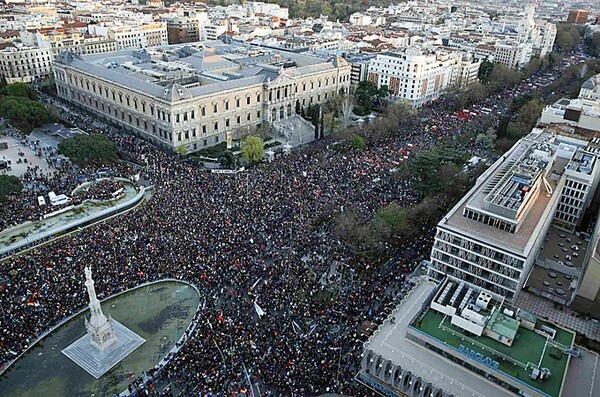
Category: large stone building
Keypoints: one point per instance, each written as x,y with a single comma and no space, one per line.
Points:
195,96
25,64
493,236
419,75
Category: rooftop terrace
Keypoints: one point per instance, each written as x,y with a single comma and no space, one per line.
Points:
529,350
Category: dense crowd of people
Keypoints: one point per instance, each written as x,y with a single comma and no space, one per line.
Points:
23,207
259,237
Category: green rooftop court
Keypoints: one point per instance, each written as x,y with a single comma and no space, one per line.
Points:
528,351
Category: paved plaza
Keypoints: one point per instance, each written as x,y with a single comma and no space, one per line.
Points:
17,153
567,318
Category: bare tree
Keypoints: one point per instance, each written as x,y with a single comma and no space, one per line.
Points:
582,71
346,110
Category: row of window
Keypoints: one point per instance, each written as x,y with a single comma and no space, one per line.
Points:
158,130
576,185
490,220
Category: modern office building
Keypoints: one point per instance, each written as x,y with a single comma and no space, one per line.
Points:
194,96
587,299
492,237
454,338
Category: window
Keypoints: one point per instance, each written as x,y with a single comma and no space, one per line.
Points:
217,126
237,102
203,110
247,100
226,105
215,108
226,123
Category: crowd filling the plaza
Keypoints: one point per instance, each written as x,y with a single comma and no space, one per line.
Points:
282,298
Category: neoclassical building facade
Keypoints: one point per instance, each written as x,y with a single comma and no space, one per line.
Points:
195,95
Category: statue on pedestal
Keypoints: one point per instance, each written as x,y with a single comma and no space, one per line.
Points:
99,328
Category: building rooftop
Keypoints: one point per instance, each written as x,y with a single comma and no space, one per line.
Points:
529,348
390,342
189,70
515,190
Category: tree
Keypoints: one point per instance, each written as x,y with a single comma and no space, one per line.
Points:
346,110
228,160
330,122
394,219
9,184
19,90
427,171
382,93
322,125
485,69
503,77
365,96
253,149
358,142
181,150
567,36
24,113
87,149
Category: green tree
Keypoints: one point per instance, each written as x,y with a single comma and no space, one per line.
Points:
593,44
20,90
427,170
181,150
253,149
87,149
358,142
567,36
394,219
503,77
9,184
485,69
365,95
228,160
24,113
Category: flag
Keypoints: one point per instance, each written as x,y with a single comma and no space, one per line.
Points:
49,267
130,377
259,311
30,303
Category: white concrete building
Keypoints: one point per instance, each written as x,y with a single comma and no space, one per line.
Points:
513,54
420,75
25,64
492,237
134,36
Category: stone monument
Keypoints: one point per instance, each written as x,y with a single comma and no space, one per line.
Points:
100,329
107,341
